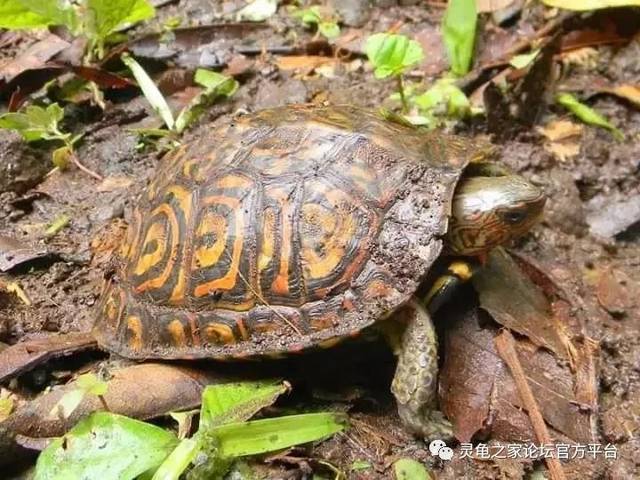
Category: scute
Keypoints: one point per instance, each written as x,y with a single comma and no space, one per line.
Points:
281,230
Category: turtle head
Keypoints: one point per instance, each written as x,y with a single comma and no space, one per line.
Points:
490,208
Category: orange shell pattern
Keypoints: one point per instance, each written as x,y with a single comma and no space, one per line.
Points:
285,229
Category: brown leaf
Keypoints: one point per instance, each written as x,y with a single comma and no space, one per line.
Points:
561,130
489,402
478,394
628,92
302,62
26,355
515,302
141,391
34,57
577,39
563,137
101,77
14,252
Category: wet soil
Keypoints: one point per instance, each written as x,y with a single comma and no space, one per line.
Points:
64,284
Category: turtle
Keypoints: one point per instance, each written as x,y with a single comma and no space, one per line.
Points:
296,227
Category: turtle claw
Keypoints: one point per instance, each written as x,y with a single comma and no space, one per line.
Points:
428,424
437,427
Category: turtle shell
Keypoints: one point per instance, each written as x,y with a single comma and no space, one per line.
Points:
282,230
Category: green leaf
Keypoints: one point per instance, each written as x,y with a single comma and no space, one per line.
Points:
258,10
35,123
216,85
235,402
267,435
358,465
309,16
408,469
459,30
392,54
58,224
210,79
587,114
329,30
105,446
91,384
59,12
178,460
106,16
521,61
583,5
444,98
151,92
16,15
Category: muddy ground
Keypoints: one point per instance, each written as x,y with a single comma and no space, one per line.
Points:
601,180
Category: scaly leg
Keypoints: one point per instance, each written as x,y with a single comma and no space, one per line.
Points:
416,379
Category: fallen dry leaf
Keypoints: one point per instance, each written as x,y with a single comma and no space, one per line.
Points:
563,137
14,252
25,355
140,391
477,390
561,130
34,57
515,302
628,92
303,62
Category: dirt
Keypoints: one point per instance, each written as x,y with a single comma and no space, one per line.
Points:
64,284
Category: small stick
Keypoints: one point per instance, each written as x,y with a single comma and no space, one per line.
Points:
86,170
104,403
505,344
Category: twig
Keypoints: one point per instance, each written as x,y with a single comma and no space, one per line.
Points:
86,170
104,403
505,345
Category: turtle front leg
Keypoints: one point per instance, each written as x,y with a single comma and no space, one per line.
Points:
416,379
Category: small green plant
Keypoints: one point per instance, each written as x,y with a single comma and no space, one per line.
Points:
96,20
320,18
109,446
36,123
587,114
459,30
215,85
392,55
441,104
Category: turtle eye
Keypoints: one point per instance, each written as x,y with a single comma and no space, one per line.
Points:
513,217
